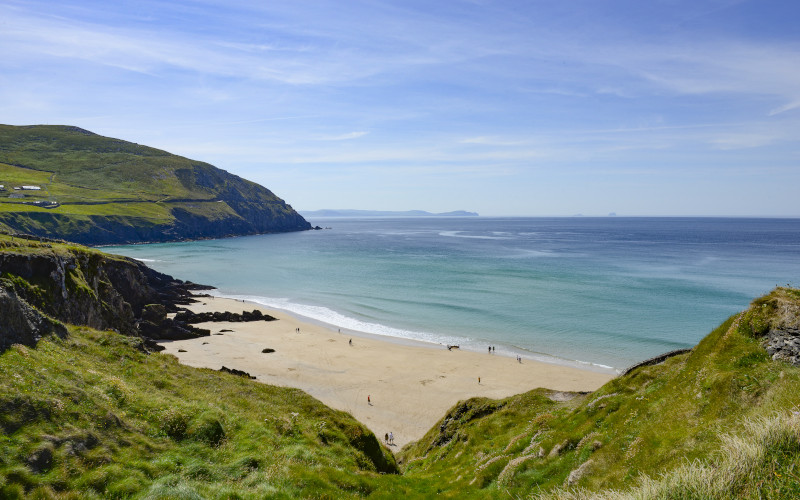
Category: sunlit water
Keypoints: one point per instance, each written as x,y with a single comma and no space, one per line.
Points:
605,291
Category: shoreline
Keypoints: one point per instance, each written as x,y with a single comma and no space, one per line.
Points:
399,387
506,350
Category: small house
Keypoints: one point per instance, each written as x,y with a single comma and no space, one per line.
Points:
31,188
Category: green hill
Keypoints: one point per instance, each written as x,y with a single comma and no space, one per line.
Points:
651,421
89,413
97,190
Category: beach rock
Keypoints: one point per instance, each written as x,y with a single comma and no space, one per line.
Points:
234,371
154,313
187,316
267,350
148,345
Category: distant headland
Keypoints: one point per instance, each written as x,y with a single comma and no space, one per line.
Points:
383,213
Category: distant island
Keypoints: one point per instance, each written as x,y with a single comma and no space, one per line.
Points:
383,213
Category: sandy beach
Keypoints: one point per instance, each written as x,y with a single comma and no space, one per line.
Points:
409,386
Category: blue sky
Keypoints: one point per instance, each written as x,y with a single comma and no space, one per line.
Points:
658,107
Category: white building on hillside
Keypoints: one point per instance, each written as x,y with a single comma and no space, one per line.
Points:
31,188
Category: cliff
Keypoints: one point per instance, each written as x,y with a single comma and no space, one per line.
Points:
98,190
44,284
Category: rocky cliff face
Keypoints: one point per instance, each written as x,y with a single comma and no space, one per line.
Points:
22,324
80,286
114,230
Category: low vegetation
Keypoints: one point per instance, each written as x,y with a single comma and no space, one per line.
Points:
92,415
654,420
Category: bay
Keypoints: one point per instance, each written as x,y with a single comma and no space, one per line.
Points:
608,292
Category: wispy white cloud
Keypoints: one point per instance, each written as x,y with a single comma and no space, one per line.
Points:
343,137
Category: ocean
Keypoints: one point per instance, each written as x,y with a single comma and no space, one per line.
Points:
603,293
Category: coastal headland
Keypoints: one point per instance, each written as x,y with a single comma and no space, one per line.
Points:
402,388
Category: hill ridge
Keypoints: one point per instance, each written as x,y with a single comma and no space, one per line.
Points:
99,190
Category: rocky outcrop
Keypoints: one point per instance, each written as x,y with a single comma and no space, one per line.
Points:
43,281
775,320
187,316
22,324
784,344
238,373
112,230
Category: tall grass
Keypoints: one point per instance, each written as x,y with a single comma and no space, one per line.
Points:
762,462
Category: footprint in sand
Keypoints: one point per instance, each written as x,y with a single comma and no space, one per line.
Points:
425,382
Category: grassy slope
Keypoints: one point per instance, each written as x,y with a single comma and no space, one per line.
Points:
94,416
91,175
653,420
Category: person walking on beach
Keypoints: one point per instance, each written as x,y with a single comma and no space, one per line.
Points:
391,438
351,342
386,438
479,380
368,400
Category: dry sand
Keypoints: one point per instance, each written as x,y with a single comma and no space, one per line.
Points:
410,386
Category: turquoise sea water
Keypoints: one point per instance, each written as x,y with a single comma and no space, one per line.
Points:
606,291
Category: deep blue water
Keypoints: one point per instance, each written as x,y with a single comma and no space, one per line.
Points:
609,291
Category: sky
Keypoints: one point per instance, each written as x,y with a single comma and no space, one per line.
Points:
527,108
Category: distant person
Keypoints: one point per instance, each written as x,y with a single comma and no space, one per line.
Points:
386,438
351,342
391,438
479,380
369,402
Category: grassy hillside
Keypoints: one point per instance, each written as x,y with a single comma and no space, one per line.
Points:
653,420
94,416
93,187
90,415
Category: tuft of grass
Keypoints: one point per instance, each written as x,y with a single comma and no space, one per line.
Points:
761,462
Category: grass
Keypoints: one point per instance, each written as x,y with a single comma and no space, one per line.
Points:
655,419
761,462
94,417
105,186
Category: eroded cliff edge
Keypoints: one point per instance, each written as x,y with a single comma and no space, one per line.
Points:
46,283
